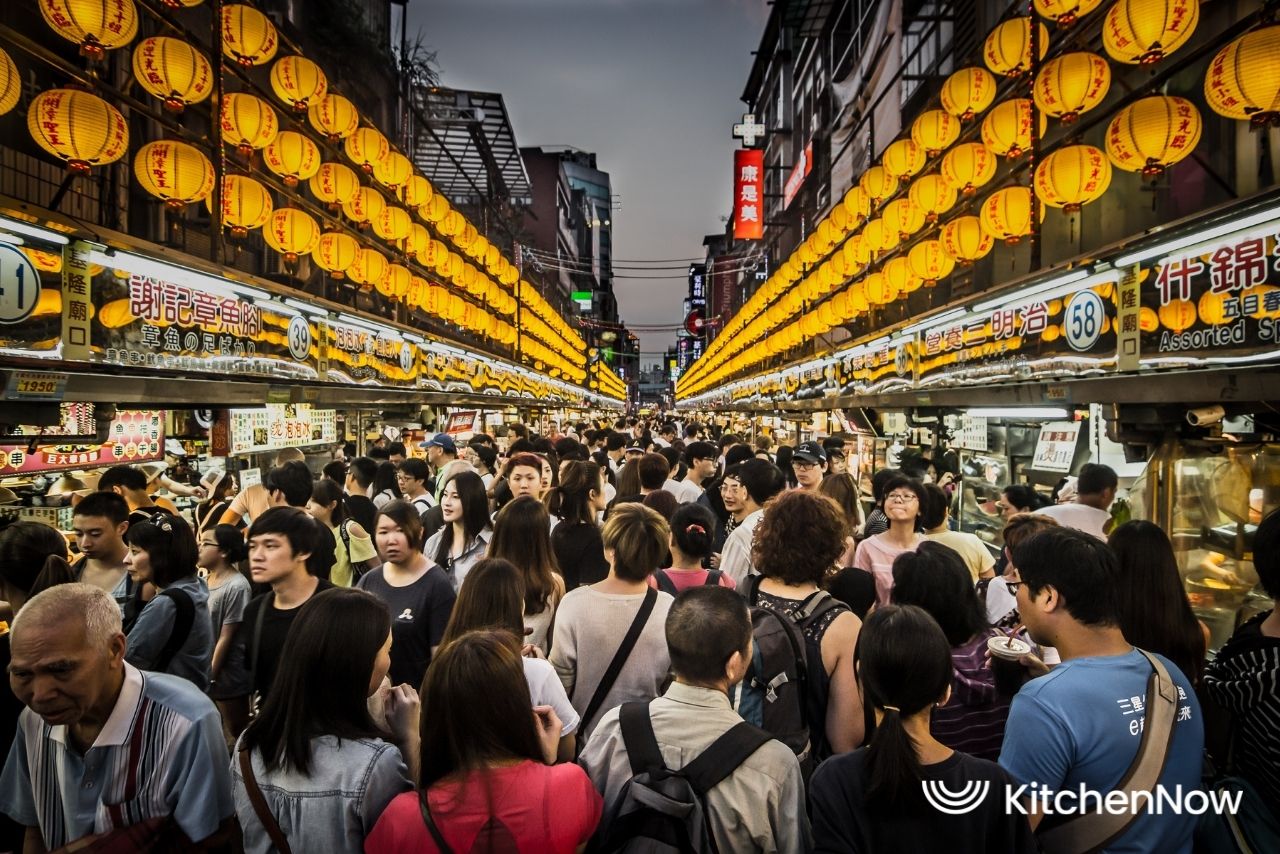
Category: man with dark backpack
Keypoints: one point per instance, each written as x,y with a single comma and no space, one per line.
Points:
685,772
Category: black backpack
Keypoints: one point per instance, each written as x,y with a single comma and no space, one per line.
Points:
786,686
666,585
660,810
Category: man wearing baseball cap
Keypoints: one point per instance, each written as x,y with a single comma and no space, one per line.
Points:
441,451
809,463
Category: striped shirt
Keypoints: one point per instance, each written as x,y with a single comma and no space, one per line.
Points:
1244,678
973,719
160,753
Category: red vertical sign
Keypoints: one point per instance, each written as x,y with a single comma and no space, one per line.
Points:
748,194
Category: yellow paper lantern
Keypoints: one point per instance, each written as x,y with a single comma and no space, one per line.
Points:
78,127
392,223
1007,128
1146,31
293,156
248,122
246,204
900,276
368,268
418,241
1178,314
935,130
173,71
905,216
1065,12
1213,308
968,166
879,236
1007,50
879,290
416,191
1006,214
291,232
1072,177
930,262
393,171
1243,81
418,287
1153,133
968,92
964,240
45,262
1148,320
97,26
436,209
878,184
367,147
334,116
394,283
366,205
335,252
452,224
856,253
903,158
248,36
298,81
857,204
1072,84
334,184
175,172
10,83
839,218
932,195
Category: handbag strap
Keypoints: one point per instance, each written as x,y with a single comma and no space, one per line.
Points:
619,658
425,806
260,809
183,619
1094,831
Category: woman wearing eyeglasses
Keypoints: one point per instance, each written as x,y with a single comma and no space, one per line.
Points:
173,632
903,502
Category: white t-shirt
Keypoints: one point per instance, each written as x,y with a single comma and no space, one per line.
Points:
684,491
546,690
1082,517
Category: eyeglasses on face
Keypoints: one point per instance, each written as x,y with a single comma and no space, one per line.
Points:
1013,586
901,497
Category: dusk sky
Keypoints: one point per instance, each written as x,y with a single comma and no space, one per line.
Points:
651,86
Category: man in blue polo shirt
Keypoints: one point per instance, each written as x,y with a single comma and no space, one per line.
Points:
101,745
1081,724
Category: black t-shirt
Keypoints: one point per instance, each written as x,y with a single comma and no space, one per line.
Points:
264,661
419,614
844,821
579,550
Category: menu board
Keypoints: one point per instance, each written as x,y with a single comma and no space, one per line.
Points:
135,436
280,425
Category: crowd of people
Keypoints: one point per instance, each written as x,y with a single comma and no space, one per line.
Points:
621,635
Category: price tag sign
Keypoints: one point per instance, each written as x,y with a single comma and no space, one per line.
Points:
31,385
1056,446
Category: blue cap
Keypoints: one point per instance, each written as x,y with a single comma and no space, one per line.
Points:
443,441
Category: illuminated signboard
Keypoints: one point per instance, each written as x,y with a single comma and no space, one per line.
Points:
748,194
798,173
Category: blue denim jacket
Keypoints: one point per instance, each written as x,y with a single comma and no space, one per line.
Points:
333,808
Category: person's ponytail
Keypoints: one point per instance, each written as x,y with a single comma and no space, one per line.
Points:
903,663
55,571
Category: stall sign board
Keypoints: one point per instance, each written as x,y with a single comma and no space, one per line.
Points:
277,426
77,305
1056,446
461,421
135,436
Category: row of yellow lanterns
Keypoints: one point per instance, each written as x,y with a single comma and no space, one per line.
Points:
607,382
1145,137
180,75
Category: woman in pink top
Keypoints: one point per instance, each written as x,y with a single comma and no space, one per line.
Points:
903,500
692,527
488,782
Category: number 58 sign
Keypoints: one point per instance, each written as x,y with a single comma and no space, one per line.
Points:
19,285
1085,314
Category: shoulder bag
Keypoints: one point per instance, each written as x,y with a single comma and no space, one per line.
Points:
260,809
619,658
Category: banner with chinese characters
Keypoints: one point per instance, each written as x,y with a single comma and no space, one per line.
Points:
281,425
748,194
358,354
149,323
135,436
1214,303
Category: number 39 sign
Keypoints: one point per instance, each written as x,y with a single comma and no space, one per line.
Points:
19,285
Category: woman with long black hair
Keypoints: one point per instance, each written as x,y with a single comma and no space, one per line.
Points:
314,768
576,538
464,538
873,799
522,535
488,778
